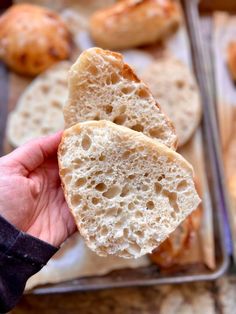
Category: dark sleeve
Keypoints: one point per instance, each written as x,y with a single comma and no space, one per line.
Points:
21,256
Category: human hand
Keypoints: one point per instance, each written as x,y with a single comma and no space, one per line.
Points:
31,197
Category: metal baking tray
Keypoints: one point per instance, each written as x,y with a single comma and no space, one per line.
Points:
151,275
207,8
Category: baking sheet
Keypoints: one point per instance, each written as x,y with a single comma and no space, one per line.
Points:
178,45
224,32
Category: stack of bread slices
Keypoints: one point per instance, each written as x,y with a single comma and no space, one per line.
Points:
124,183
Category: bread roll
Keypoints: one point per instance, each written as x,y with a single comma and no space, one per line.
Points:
167,254
231,59
102,86
32,38
173,86
126,191
131,23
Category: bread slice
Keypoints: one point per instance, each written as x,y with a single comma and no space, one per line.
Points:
39,109
126,191
174,87
103,87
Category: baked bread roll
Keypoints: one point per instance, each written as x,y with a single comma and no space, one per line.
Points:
173,86
231,59
132,23
103,87
127,192
39,109
32,38
168,252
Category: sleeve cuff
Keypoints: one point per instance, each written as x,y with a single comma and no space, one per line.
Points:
23,246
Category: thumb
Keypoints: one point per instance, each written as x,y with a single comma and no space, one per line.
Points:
32,154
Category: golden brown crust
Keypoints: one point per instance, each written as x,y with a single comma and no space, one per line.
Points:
231,59
131,23
32,38
168,253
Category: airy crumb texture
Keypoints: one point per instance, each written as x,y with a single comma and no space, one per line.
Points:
103,87
174,87
126,191
39,109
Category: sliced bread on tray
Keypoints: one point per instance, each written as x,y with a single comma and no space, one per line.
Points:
174,86
103,87
127,192
39,109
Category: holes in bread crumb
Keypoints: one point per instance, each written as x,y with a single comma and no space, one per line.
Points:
138,214
173,215
161,177
114,78
102,158
131,176
75,200
156,132
122,109
92,238
112,192
56,104
137,127
108,109
125,191
126,232
158,188
97,117
131,206
120,119
67,179
180,84
86,142
142,93
64,171
92,69
126,154
172,196
98,173
139,233
119,211
100,187
80,182
182,185
111,212
77,163
144,187
104,231
127,90
95,200
150,205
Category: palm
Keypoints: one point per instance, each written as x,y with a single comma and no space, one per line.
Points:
34,202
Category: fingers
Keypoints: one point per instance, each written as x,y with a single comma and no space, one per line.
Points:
34,153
